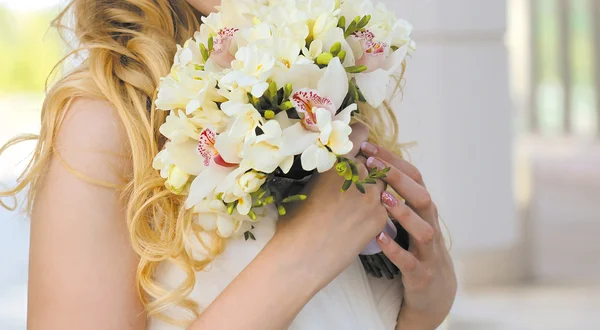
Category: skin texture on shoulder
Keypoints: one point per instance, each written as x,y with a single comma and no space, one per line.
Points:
80,255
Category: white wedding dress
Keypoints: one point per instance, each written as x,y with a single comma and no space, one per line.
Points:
352,301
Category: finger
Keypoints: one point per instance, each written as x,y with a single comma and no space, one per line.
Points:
403,259
421,231
415,194
397,161
360,134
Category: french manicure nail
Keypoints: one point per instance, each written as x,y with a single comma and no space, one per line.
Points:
374,162
389,199
384,238
369,148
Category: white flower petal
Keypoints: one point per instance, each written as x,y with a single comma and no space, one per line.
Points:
225,225
374,86
205,183
185,156
296,139
309,158
346,115
334,84
208,221
286,164
244,205
394,61
325,159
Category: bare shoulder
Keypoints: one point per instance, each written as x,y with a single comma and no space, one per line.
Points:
91,140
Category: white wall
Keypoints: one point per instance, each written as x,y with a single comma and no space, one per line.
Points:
456,106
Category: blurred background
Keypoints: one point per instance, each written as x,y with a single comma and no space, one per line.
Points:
503,99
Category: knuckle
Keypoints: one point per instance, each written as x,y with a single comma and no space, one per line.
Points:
416,175
403,211
424,201
427,236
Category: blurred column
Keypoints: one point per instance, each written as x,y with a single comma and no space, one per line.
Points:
456,106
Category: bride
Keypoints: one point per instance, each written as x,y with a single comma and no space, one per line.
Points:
110,248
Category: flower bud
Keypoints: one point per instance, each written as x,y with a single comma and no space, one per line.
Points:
177,180
324,58
251,181
269,114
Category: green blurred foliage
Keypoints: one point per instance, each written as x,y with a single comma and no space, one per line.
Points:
29,50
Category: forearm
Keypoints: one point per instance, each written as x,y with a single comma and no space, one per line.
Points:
409,320
274,287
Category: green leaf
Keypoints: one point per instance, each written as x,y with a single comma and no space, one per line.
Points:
364,21
204,52
346,185
335,48
211,43
370,181
360,188
361,97
248,235
356,69
351,29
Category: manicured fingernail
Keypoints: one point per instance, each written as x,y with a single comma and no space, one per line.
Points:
375,163
384,238
389,199
369,148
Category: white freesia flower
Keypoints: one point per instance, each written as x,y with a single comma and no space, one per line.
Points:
263,152
211,214
178,127
238,186
182,154
320,127
186,88
251,69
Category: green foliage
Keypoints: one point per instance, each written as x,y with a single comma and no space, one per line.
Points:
30,49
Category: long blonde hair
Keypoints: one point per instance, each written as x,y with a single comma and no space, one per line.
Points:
130,44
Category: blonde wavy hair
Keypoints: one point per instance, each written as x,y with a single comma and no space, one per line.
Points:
130,44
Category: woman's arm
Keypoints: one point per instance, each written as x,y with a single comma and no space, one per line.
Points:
82,268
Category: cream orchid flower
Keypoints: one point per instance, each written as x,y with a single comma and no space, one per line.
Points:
211,214
321,135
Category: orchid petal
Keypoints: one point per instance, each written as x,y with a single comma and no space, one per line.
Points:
184,156
325,159
286,164
394,61
296,140
309,158
346,115
373,86
334,84
205,183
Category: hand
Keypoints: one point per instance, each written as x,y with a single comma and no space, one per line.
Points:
328,223
427,270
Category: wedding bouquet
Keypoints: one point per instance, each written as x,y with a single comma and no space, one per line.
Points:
262,97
